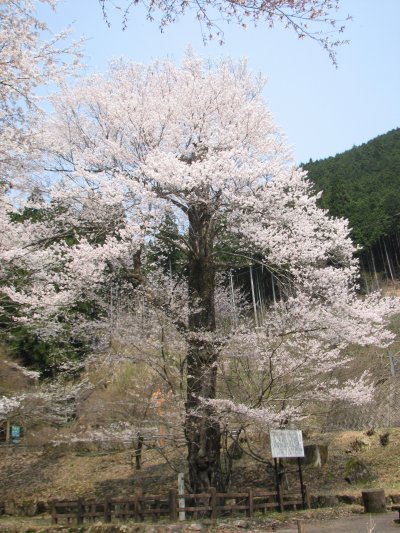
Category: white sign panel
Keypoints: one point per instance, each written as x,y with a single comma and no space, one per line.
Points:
286,443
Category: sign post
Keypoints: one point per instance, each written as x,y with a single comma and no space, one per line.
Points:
287,443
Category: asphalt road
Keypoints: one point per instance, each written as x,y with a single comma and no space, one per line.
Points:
377,523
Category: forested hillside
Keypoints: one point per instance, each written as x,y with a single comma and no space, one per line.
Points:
363,185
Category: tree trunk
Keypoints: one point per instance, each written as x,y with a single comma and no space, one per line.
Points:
202,431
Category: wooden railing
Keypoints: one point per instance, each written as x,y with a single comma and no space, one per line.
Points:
210,504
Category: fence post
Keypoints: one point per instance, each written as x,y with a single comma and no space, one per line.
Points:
79,511
54,519
107,510
213,503
300,527
139,504
136,506
280,498
156,505
173,515
307,497
251,503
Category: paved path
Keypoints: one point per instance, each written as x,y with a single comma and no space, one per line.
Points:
382,523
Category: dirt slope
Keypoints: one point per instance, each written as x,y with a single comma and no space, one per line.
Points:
45,473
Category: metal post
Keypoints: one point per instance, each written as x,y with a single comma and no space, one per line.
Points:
277,484
303,496
181,491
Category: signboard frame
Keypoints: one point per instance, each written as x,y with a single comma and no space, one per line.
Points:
286,443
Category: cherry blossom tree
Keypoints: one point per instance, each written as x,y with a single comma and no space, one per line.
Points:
54,404
127,149
30,57
311,19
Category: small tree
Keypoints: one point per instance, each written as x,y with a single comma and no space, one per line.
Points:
124,150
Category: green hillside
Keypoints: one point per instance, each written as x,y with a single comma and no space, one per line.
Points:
363,185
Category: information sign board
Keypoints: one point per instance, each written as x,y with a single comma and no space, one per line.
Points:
15,432
286,443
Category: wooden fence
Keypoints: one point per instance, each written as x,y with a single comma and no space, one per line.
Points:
210,504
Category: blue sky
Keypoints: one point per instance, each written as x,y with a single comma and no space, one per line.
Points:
322,110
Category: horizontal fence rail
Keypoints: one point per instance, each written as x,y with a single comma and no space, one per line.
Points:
141,507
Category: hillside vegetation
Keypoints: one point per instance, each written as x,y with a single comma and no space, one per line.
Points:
363,185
